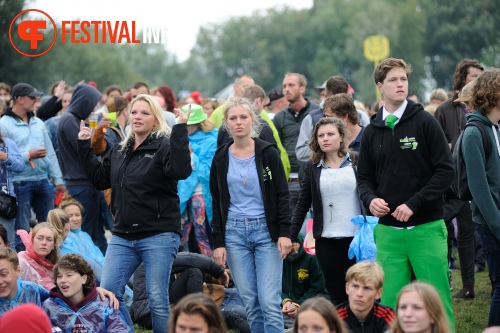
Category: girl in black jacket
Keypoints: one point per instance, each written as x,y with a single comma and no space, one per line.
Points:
142,171
250,216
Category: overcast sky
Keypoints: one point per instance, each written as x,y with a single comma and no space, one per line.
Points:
181,18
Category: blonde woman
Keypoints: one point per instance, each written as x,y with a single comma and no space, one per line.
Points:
142,171
251,226
41,254
419,309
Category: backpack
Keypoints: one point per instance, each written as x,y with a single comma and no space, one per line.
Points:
460,186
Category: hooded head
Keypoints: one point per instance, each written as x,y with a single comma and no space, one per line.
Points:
83,101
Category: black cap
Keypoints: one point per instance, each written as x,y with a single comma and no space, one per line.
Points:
24,89
274,94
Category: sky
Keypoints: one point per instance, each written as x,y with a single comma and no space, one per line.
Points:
182,19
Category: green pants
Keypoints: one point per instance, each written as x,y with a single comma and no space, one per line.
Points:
422,248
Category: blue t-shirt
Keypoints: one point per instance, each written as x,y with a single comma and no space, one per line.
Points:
244,188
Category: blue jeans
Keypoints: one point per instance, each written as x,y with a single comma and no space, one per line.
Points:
256,266
491,249
233,302
157,253
38,195
88,196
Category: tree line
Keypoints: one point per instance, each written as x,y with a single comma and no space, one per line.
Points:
324,40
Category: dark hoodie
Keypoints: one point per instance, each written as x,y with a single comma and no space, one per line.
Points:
410,164
302,276
82,103
482,173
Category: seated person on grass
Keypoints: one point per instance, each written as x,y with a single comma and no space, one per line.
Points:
14,291
362,313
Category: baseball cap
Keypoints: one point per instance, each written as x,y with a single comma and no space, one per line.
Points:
275,94
24,89
319,88
466,93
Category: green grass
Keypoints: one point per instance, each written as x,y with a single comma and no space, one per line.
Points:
471,316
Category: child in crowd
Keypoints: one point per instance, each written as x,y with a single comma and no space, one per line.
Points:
318,314
419,309
364,287
74,304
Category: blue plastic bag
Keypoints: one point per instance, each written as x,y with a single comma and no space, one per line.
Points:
363,243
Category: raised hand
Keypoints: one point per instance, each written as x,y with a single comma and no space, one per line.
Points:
85,132
182,117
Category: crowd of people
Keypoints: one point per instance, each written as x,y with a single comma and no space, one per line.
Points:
206,204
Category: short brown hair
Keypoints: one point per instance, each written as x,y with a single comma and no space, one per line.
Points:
5,87
486,91
341,105
336,85
317,153
253,92
302,78
462,71
76,263
10,255
380,72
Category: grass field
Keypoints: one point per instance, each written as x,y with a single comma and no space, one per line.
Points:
471,316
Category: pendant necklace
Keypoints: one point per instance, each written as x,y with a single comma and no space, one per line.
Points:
244,180
330,204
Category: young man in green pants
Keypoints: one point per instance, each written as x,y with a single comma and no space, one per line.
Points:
405,167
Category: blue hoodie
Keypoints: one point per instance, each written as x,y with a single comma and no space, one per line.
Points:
82,104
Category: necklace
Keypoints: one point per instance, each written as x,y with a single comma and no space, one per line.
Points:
244,180
330,204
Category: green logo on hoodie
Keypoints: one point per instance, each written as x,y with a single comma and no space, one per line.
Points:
408,143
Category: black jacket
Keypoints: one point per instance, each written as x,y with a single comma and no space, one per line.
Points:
410,164
379,319
144,199
273,185
310,193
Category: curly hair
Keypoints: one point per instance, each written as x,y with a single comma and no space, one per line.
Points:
384,67
198,304
486,91
76,263
462,71
233,102
432,303
342,105
317,153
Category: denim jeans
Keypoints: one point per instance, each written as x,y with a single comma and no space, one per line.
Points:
38,195
491,248
157,253
88,196
233,302
256,266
